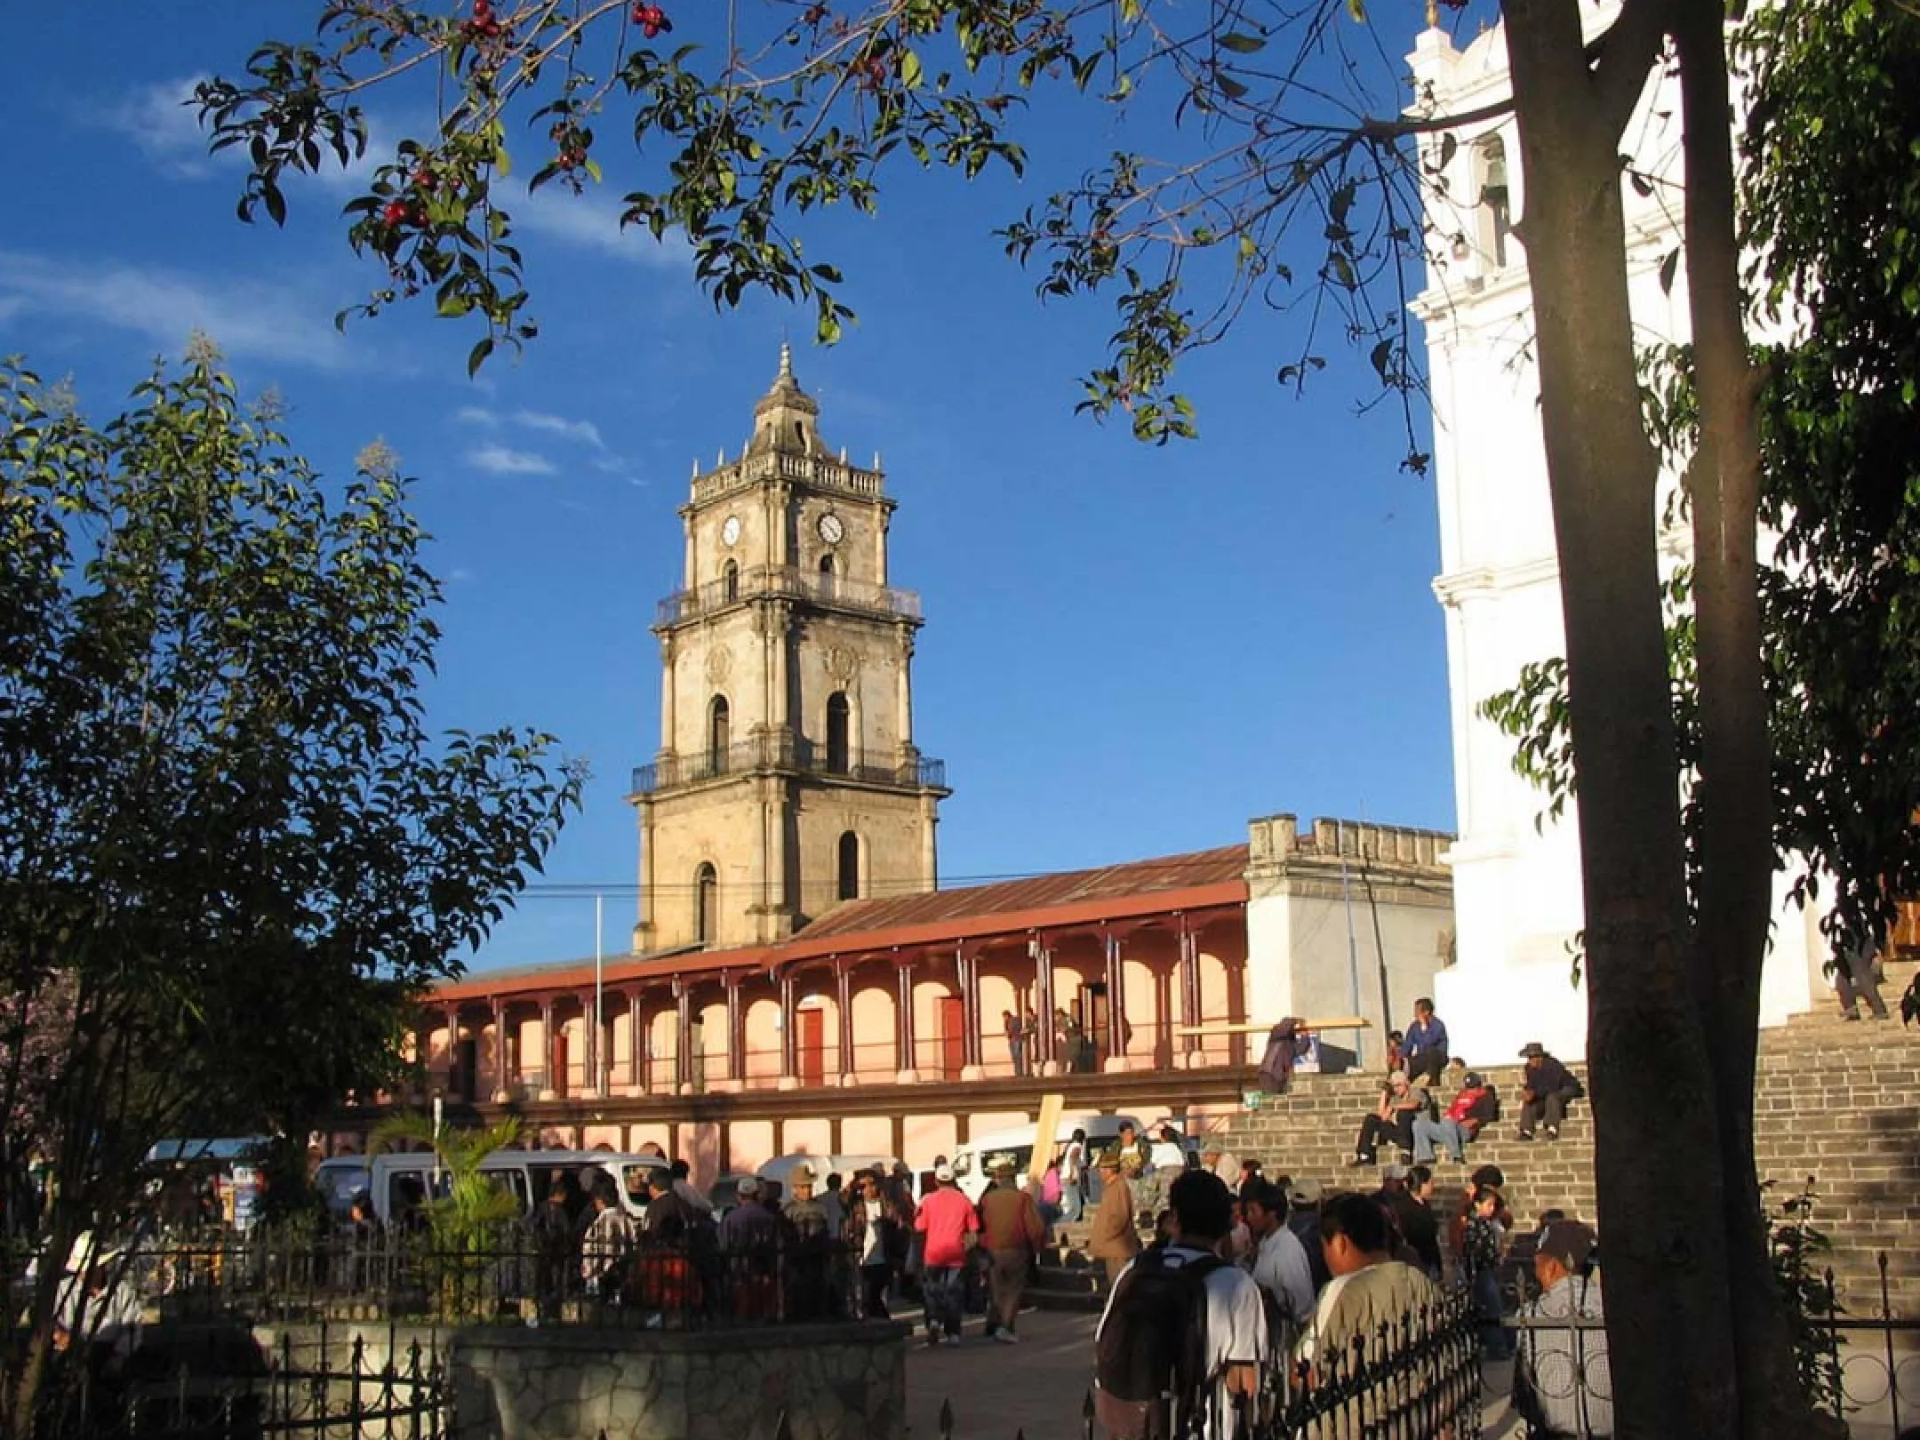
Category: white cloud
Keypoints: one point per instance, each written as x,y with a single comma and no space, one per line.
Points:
593,222
162,121
476,415
501,460
585,431
244,317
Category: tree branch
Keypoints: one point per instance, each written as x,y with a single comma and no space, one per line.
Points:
1623,56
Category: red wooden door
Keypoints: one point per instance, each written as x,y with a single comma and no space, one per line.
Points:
813,1048
953,1037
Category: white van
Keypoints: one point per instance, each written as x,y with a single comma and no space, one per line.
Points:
971,1159
399,1182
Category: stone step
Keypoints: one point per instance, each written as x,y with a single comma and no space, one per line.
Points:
1834,1100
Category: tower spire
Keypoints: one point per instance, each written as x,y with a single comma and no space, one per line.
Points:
786,363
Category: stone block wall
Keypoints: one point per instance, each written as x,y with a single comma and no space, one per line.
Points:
832,1382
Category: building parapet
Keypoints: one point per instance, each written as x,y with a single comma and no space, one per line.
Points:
818,471
784,751
1275,842
786,582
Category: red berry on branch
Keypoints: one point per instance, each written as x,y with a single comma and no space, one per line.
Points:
395,213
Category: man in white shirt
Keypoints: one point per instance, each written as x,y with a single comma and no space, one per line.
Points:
1236,1337
1280,1265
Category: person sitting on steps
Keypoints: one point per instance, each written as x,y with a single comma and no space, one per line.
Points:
1401,1103
1545,1089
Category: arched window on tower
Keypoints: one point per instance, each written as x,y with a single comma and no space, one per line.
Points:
730,581
827,566
847,871
706,904
838,753
1496,200
719,734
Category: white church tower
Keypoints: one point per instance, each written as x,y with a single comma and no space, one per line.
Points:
1516,873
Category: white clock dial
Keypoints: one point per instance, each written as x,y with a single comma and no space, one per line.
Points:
730,531
831,529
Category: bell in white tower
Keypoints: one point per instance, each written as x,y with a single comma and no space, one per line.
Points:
787,778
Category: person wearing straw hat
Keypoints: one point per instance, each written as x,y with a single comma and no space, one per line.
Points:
1012,1232
1115,1239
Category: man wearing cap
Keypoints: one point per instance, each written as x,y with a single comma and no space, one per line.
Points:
1115,1239
1012,1232
749,1225
945,1219
1562,1383
1473,1107
1546,1087
1217,1160
1401,1102
1303,1219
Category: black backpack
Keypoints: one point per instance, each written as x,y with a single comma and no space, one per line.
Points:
1153,1342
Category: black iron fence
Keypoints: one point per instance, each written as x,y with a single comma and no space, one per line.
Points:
490,1273
1872,1370
1414,1378
330,1388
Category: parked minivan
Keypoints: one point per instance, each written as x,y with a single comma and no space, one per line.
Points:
970,1160
399,1182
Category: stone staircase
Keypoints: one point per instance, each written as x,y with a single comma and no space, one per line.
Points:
1834,1100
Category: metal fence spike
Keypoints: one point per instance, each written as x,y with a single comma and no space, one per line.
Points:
782,1430
946,1420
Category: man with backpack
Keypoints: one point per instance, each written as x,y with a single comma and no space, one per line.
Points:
1178,1351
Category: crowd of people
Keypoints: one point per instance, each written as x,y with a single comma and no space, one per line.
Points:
1294,1279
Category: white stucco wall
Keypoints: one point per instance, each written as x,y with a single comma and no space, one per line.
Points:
1517,893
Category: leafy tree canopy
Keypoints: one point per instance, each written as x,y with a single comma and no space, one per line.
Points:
787,108
232,853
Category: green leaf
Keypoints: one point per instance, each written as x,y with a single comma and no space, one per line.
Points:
478,355
1241,43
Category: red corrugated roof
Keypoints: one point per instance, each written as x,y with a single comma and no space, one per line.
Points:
1138,877
1201,879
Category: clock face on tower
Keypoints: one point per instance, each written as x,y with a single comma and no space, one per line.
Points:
730,531
831,529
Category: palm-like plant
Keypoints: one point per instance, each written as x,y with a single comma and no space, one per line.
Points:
465,1223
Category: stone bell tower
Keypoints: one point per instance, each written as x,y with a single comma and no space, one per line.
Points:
787,779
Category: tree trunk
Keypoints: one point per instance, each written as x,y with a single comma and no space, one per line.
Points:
1655,1098
1734,791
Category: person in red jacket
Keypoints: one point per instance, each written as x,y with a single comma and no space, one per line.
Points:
1474,1106
945,1219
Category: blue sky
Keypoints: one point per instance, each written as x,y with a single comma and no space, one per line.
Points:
1129,650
